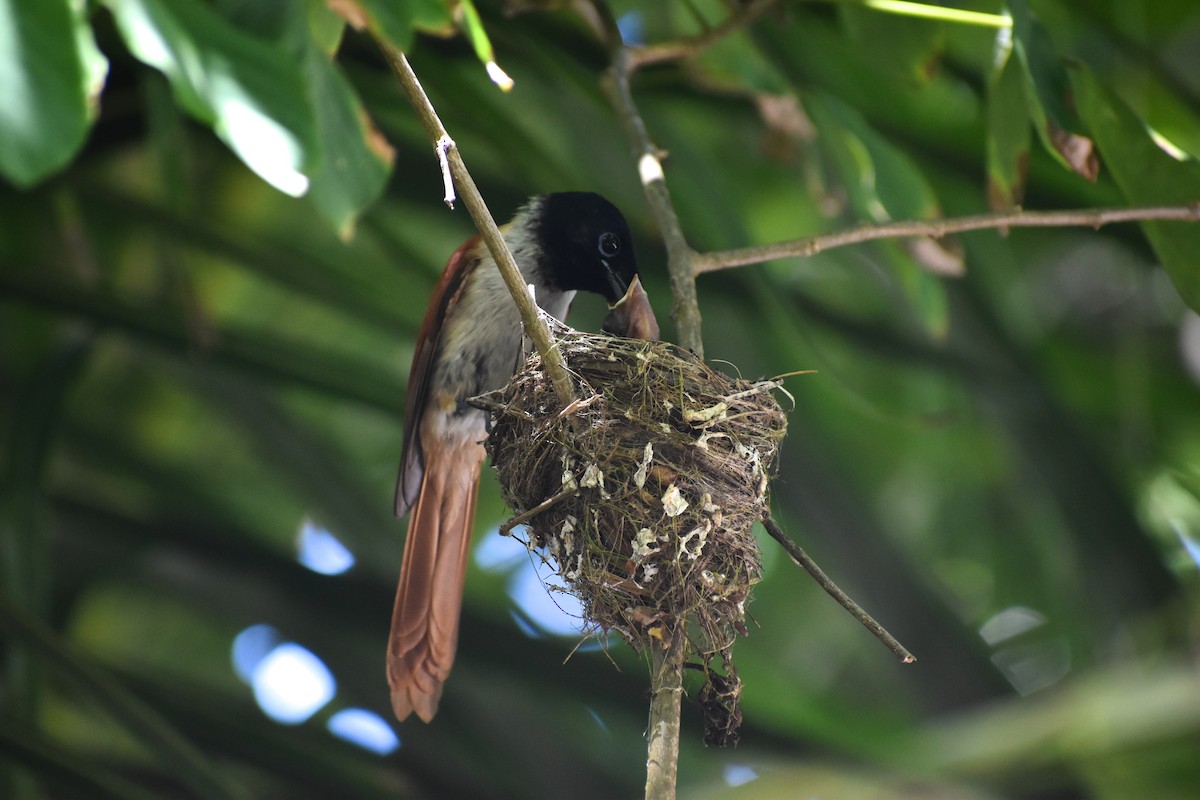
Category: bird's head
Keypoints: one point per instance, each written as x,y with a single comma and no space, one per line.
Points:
586,246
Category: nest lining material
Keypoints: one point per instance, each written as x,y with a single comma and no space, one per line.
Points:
644,490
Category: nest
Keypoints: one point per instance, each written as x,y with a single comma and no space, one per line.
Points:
644,492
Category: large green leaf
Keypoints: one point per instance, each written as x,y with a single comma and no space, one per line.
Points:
247,88
355,158
51,74
1146,176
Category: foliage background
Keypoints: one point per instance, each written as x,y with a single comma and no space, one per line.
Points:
1004,466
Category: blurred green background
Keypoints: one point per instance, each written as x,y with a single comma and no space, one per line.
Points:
201,384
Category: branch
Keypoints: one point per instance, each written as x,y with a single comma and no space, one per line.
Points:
811,245
666,696
685,309
681,48
825,582
448,153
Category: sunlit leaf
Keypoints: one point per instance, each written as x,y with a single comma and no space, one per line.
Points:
1168,113
1147,176
1047,94
245,87
355,158
50,76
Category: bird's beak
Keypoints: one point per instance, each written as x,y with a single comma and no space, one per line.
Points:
632,316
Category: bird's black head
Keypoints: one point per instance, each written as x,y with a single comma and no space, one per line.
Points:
586,245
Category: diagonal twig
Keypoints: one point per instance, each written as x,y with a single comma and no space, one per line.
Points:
804,560
447,152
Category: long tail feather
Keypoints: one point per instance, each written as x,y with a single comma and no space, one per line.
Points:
424,634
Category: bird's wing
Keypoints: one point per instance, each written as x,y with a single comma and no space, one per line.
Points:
441,304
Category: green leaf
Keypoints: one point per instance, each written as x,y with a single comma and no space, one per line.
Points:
1165,111
882,181
735,61
355,159
325,26
1007,128
882,184
913,47
1048,88
245,87
395,22
922,288
49,88
1146,175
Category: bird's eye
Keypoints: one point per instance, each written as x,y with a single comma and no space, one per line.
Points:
609,244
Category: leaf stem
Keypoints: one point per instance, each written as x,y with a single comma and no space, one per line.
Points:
685,308
937,13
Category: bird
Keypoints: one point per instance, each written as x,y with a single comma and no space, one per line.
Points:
469,343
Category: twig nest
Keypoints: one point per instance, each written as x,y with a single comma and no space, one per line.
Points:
644,490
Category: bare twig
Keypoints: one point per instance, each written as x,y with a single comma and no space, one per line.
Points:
825,582
447,152
550,502
685,309
680,48
937,228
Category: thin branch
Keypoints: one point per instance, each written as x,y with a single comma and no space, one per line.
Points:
825,582
506,528
447,151
685,309
643,55
625,60
938,228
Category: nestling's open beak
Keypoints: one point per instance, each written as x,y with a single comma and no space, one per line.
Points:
631,316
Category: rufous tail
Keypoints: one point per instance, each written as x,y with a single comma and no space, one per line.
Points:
424,632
